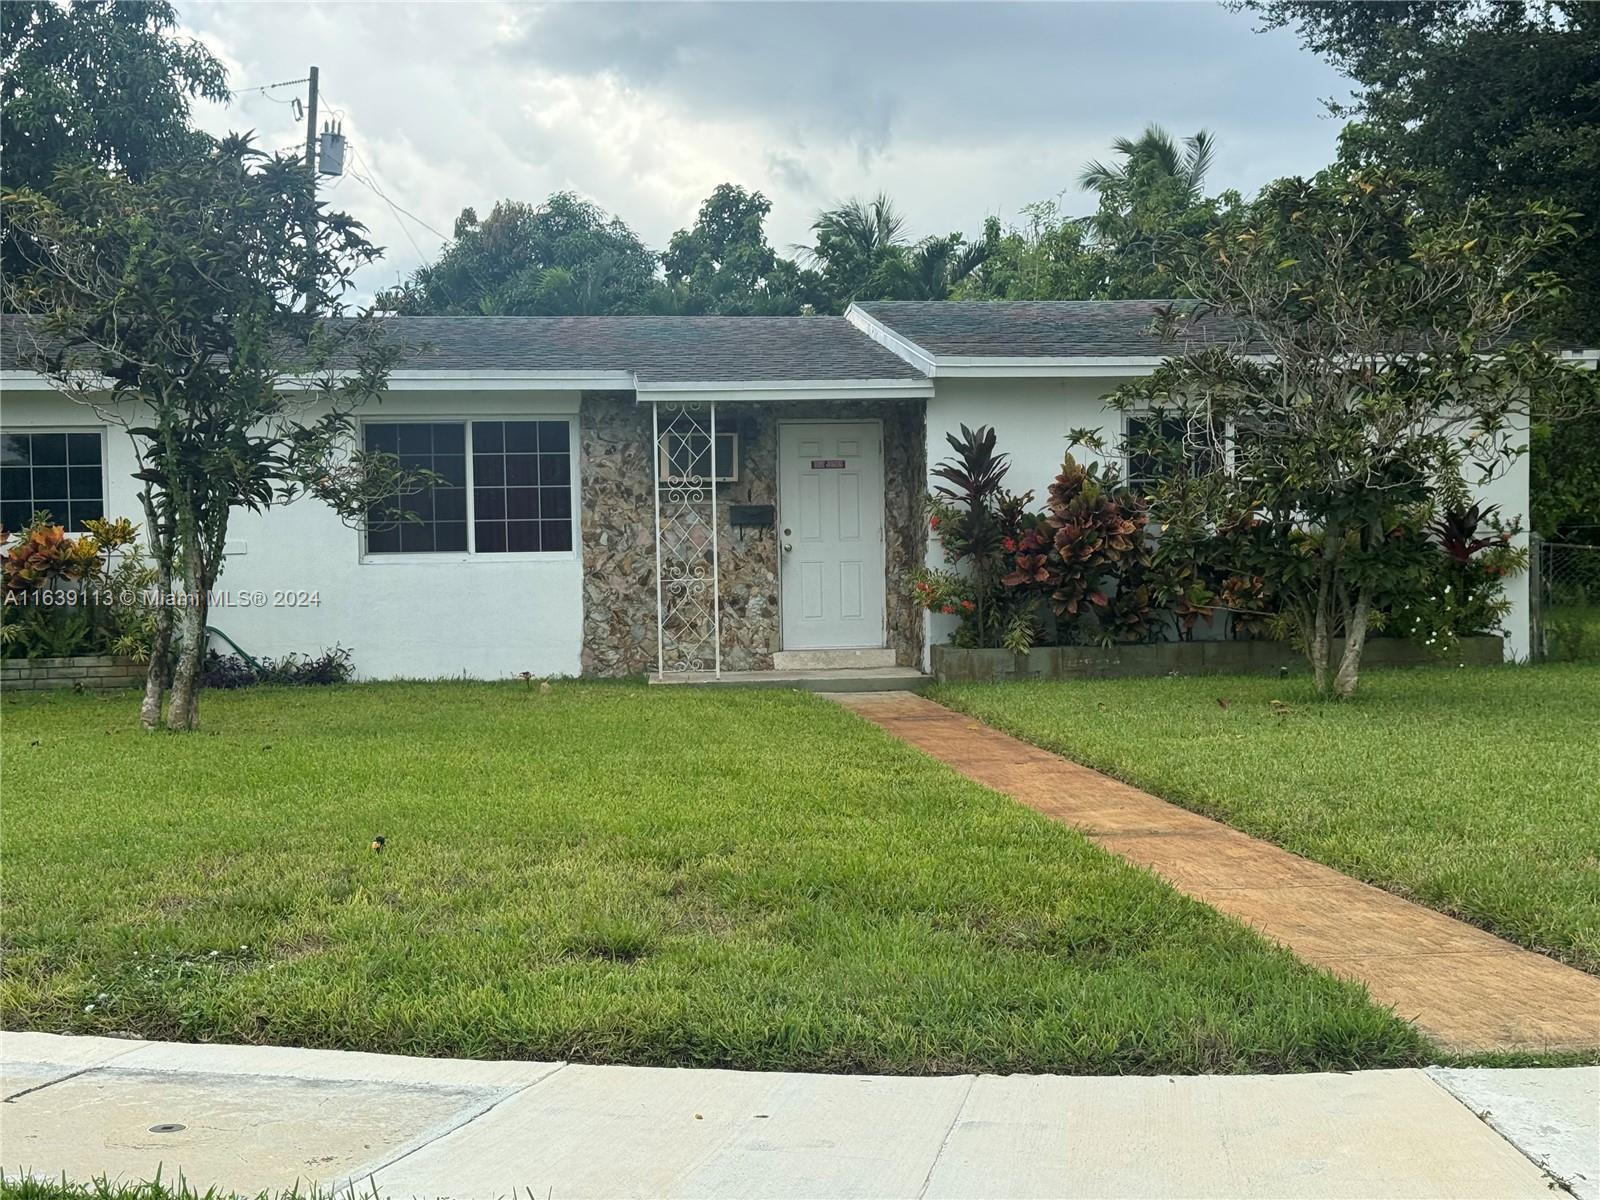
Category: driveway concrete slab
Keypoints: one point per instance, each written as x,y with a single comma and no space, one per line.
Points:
274,1133
634,1131
1551,1114
1375,1133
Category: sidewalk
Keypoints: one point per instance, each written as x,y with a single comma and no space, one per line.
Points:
1468,990
247,1118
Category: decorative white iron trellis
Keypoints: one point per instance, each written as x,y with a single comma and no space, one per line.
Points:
688,582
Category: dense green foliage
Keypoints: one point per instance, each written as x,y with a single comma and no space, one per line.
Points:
1564,482
568,257
70,595
1494,100
1149,202
724,264
1352,387
565,256
97,83
191,297
610,873
1471,790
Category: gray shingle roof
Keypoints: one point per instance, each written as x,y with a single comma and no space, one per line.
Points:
656,349
1032,328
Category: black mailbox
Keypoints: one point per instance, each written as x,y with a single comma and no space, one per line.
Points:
752,516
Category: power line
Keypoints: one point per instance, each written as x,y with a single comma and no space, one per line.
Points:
264,87
393,208
379,192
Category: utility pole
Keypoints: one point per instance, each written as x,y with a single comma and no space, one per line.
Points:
311,190
311,126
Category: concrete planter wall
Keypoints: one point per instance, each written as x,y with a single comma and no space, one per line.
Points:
957,665
98,672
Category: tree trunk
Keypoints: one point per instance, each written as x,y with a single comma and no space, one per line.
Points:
155,676
158,677
183,711
1319,647
1355,640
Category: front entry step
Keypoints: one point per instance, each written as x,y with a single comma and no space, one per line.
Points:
831,660
857,679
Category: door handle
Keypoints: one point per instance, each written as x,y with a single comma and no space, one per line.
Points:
787,547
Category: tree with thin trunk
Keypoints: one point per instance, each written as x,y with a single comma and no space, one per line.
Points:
1355,346
202,310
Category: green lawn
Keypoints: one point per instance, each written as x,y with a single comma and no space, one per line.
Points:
1473,790
608,873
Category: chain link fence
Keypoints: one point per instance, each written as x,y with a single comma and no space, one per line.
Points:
1566,599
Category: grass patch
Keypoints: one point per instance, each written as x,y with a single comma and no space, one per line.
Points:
1572,633
31,1187
1475,791
608,874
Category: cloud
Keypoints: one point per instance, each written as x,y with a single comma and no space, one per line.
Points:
958,110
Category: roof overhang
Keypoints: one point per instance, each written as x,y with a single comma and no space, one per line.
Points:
686,392
1042,367
768,391
406,381
953,366
507,381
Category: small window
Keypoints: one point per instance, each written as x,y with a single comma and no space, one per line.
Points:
507,487
683,456
62,473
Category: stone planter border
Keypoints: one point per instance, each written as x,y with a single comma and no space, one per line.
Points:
957,665
96,672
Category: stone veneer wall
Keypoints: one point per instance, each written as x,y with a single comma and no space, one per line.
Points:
618,523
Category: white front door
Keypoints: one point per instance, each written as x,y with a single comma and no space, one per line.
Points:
830,534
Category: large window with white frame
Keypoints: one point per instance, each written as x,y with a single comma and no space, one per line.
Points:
504,487
59,471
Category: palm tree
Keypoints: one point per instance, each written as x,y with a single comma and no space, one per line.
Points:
1154,146
866,227
932,268
854,241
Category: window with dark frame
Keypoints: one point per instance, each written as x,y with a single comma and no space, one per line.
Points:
521,486
519,500
441,509
1147,469
59,472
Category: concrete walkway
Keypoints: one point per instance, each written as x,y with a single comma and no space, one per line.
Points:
1468,990
246,1118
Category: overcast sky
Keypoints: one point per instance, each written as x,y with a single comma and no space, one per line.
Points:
958,110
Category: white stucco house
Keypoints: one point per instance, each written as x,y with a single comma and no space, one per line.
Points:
565,547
